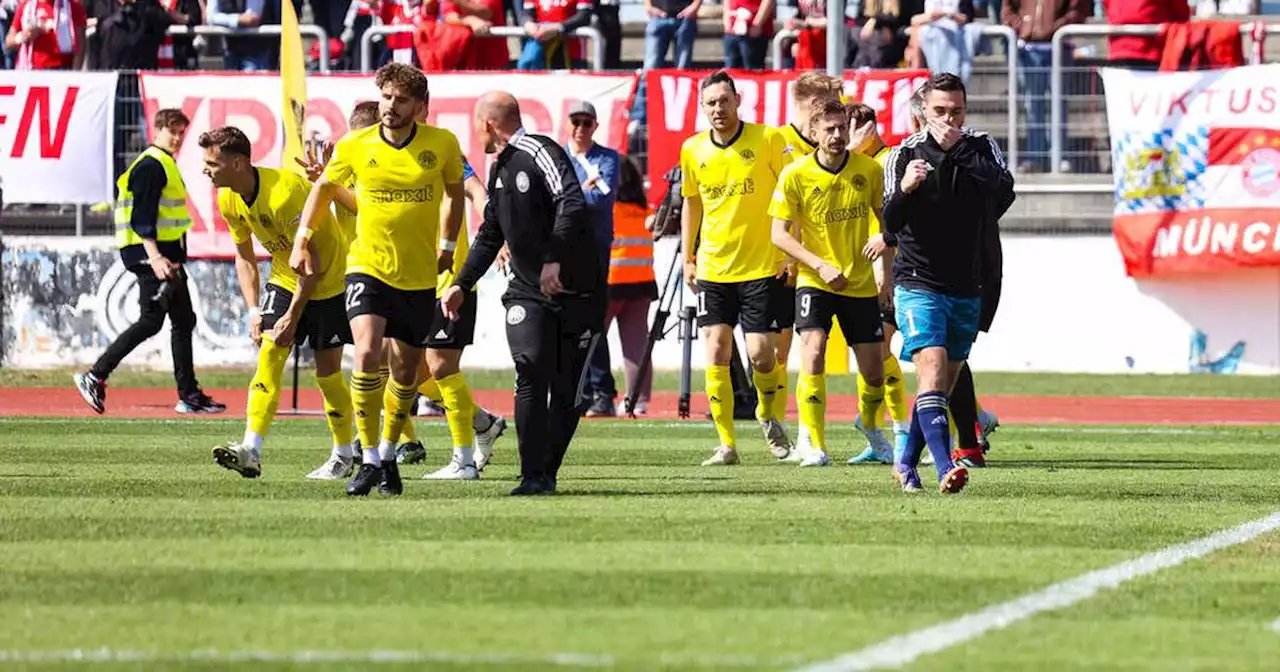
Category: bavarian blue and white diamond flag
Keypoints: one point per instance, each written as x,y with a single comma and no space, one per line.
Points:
1196,162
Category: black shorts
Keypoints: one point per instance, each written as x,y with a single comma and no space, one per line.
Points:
888,317
323,322
407,312
760,306
446,335
859,317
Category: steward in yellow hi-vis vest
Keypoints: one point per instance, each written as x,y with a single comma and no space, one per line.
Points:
151,222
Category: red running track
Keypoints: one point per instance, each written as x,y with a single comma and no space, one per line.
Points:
158,403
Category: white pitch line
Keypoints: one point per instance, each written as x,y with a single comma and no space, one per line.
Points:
903,649
1275,625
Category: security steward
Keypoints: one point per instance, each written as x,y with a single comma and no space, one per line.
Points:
555,299
151,229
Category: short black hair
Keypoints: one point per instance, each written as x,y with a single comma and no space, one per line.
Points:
364,114
718,77
943,81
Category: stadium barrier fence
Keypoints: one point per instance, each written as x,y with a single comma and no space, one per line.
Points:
496,32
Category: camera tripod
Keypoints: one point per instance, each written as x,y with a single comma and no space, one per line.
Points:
670,294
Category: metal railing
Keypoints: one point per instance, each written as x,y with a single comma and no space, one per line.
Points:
783,37
307,29
1057,45
503,32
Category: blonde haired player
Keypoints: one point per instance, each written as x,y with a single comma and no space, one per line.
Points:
729,173
823,210
267,203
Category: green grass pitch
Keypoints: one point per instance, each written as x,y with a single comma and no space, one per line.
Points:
123,536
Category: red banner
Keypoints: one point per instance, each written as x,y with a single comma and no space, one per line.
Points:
673,114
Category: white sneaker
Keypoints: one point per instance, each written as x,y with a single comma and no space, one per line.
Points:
776,435
486,439
238,458
724,456
814,458
989,422
926,457
334,469
876,440
455,471
803,446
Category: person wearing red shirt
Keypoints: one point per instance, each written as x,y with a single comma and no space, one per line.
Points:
48,35
748,29
404,13
1135,51
546,22
488,53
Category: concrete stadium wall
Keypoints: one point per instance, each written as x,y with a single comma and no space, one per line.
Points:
1067,307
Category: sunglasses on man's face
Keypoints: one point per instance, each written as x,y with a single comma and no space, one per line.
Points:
582,121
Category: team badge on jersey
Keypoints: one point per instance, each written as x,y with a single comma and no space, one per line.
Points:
427,159
515,314
522,182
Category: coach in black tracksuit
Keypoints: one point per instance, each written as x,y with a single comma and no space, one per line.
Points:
555,299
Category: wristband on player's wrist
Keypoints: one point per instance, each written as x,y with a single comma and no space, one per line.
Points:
255,311
448,245
304,233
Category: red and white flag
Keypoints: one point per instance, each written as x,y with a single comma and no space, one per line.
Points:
1196,161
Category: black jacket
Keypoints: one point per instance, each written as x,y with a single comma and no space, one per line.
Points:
536,207
946,231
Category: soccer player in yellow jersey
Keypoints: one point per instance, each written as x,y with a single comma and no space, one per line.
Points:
823,209
402,171
729,173
864,138
267,203
807,88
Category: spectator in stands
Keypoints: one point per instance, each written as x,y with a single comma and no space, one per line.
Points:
881,38
610,26
941,26
1035,22
132,35
488,53
1141,52
244,53
547,22
597,169
810,24
672,24
748,29
360,15
399,46
177,52
7,9
48,35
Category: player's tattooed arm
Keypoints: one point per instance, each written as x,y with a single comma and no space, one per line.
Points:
455,205
313,217
788,243
248,279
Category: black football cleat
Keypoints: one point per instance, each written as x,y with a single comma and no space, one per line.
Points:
365,480
93,390
391,484
411,453
531,486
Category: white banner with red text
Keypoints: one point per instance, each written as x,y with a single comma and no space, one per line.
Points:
1196,162
673,112
252,103
55,136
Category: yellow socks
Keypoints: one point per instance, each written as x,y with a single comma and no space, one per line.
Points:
780,397
264,391
337,410
811,397
766,392
407,433
397,401
870,400
459,410
720,399
366,399
430,390
896,391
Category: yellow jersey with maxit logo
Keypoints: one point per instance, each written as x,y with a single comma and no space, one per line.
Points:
734,182
273,215
399,191
832,211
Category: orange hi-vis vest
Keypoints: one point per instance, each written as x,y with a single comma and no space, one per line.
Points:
631,260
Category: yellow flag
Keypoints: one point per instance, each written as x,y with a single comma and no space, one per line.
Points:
293,76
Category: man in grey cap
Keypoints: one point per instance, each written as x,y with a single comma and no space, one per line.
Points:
597,168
